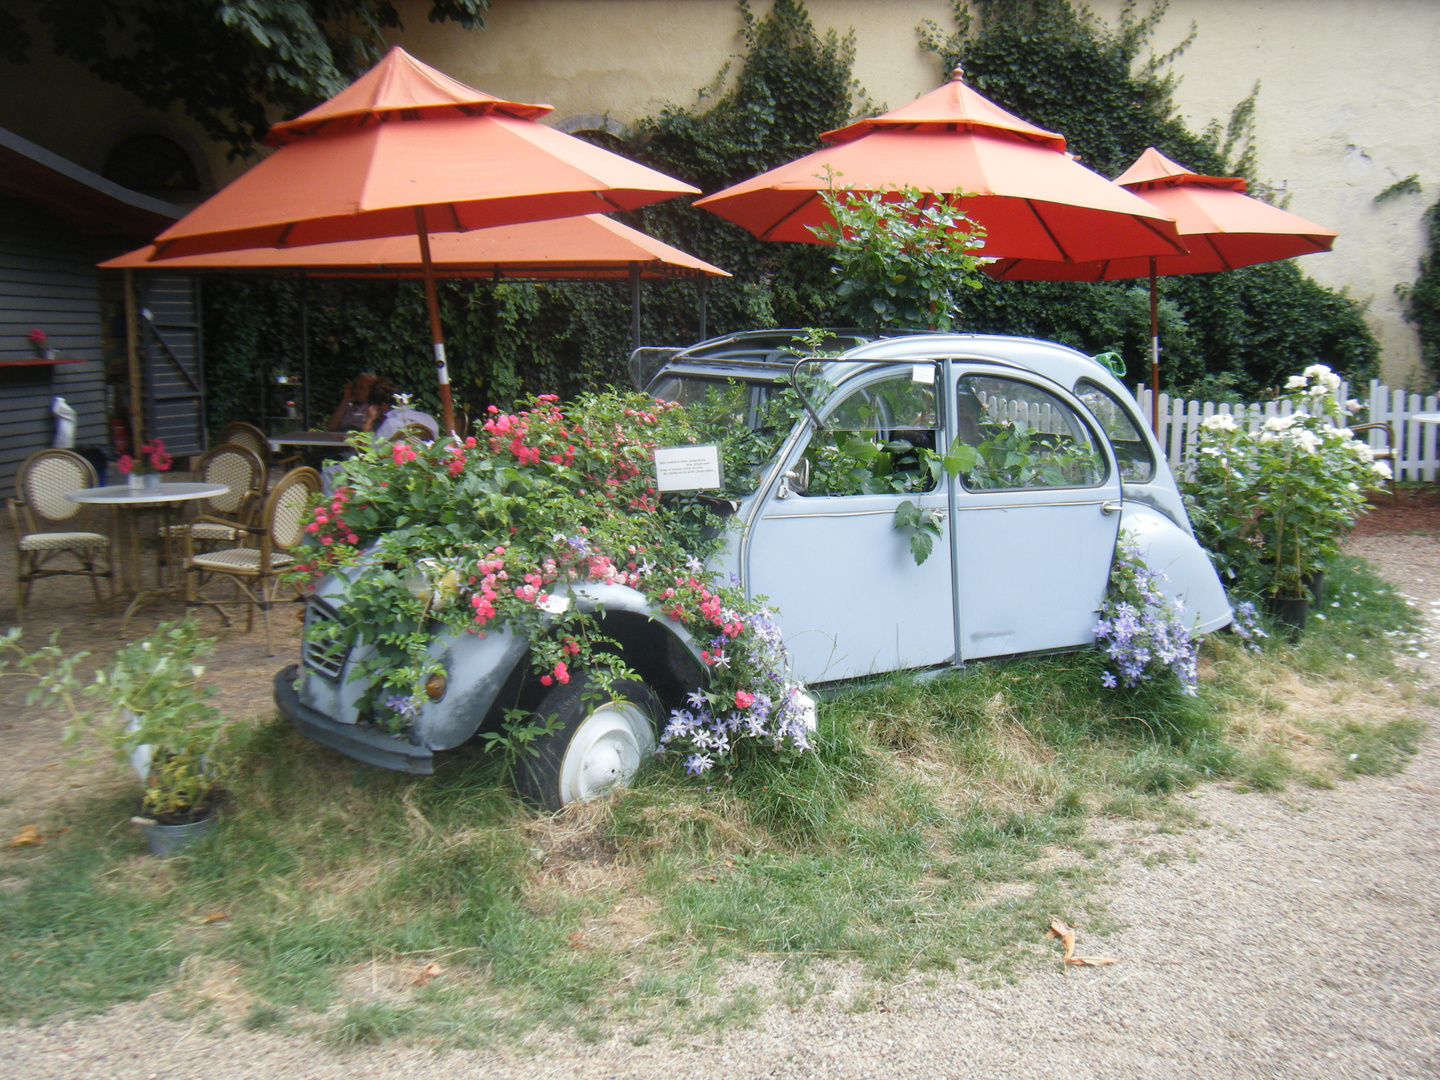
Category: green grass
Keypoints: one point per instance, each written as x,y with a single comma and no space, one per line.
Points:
937,828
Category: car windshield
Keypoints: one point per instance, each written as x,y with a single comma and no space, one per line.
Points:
747,418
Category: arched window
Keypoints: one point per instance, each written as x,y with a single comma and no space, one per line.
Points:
153,165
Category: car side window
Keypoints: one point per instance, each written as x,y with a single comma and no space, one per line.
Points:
1011,434
880,438
1132,451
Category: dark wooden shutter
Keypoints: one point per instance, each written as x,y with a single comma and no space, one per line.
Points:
170,361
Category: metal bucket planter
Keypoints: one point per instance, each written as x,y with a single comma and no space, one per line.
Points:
165,840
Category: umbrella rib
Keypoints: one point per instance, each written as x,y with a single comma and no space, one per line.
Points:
769,233
1064,255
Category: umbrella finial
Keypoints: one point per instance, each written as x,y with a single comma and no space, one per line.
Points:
958,75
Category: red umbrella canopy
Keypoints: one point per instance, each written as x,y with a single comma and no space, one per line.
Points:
1223,227
1033,199
404,136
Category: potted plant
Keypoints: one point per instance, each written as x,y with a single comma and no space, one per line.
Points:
153,713
39,341
1275,503
144,469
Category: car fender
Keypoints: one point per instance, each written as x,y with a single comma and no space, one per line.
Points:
1189,575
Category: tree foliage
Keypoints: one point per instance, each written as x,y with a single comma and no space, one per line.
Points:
233,65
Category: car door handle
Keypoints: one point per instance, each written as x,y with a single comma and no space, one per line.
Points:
1110,507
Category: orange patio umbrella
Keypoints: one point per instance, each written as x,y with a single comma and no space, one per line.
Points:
1033,199
1223,227
408,150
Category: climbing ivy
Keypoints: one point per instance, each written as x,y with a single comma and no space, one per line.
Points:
1424,296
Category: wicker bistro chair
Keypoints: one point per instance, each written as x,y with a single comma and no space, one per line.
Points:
243,474
1389,453
252,569
38,508
416,434
254,440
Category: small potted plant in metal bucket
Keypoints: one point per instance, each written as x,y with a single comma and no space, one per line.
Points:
152,713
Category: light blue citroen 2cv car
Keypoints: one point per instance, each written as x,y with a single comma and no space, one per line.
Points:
1053,461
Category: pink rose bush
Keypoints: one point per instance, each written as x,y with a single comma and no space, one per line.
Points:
491,533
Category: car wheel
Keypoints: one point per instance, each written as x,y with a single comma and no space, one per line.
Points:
600,740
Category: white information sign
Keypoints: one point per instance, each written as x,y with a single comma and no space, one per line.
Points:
687,468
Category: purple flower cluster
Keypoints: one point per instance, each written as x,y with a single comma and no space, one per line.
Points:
1142,629
773,709
1247,626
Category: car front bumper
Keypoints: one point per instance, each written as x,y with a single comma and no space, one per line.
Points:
365,744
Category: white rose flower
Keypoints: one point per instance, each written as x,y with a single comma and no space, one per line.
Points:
1353,406
1331,380
1295,382
1316,371
1281,423
1219,422
1306,440
1381,469
1363,452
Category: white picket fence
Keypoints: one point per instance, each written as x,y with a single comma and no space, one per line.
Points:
1416,456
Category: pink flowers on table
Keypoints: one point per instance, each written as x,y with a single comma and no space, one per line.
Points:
152,457
38,338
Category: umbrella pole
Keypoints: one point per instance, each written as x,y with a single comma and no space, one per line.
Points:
1154,353
304,352
437,335
634,305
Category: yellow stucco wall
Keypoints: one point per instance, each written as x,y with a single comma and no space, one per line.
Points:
1349,99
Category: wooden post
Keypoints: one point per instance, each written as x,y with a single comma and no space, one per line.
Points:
132,362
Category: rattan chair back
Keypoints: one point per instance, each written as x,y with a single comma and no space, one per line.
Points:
242,472
287,508
43,481
248,436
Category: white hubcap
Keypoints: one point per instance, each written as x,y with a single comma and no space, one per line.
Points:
606,750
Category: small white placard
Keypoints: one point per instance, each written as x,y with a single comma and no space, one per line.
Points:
923,373
687,468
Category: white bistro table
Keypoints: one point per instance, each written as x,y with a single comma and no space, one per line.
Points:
128,502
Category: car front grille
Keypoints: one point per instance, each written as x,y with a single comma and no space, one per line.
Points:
321,652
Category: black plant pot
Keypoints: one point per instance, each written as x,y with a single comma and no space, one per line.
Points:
1289,612
1315,586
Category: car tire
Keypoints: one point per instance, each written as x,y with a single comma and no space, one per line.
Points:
600,741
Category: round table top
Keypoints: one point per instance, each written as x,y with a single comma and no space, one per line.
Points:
1426,417
124,495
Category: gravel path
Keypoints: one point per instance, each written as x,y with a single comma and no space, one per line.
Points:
1293,936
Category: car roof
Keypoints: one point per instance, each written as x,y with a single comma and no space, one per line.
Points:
767,355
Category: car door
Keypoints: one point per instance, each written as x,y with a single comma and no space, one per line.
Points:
1037,505
851,598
